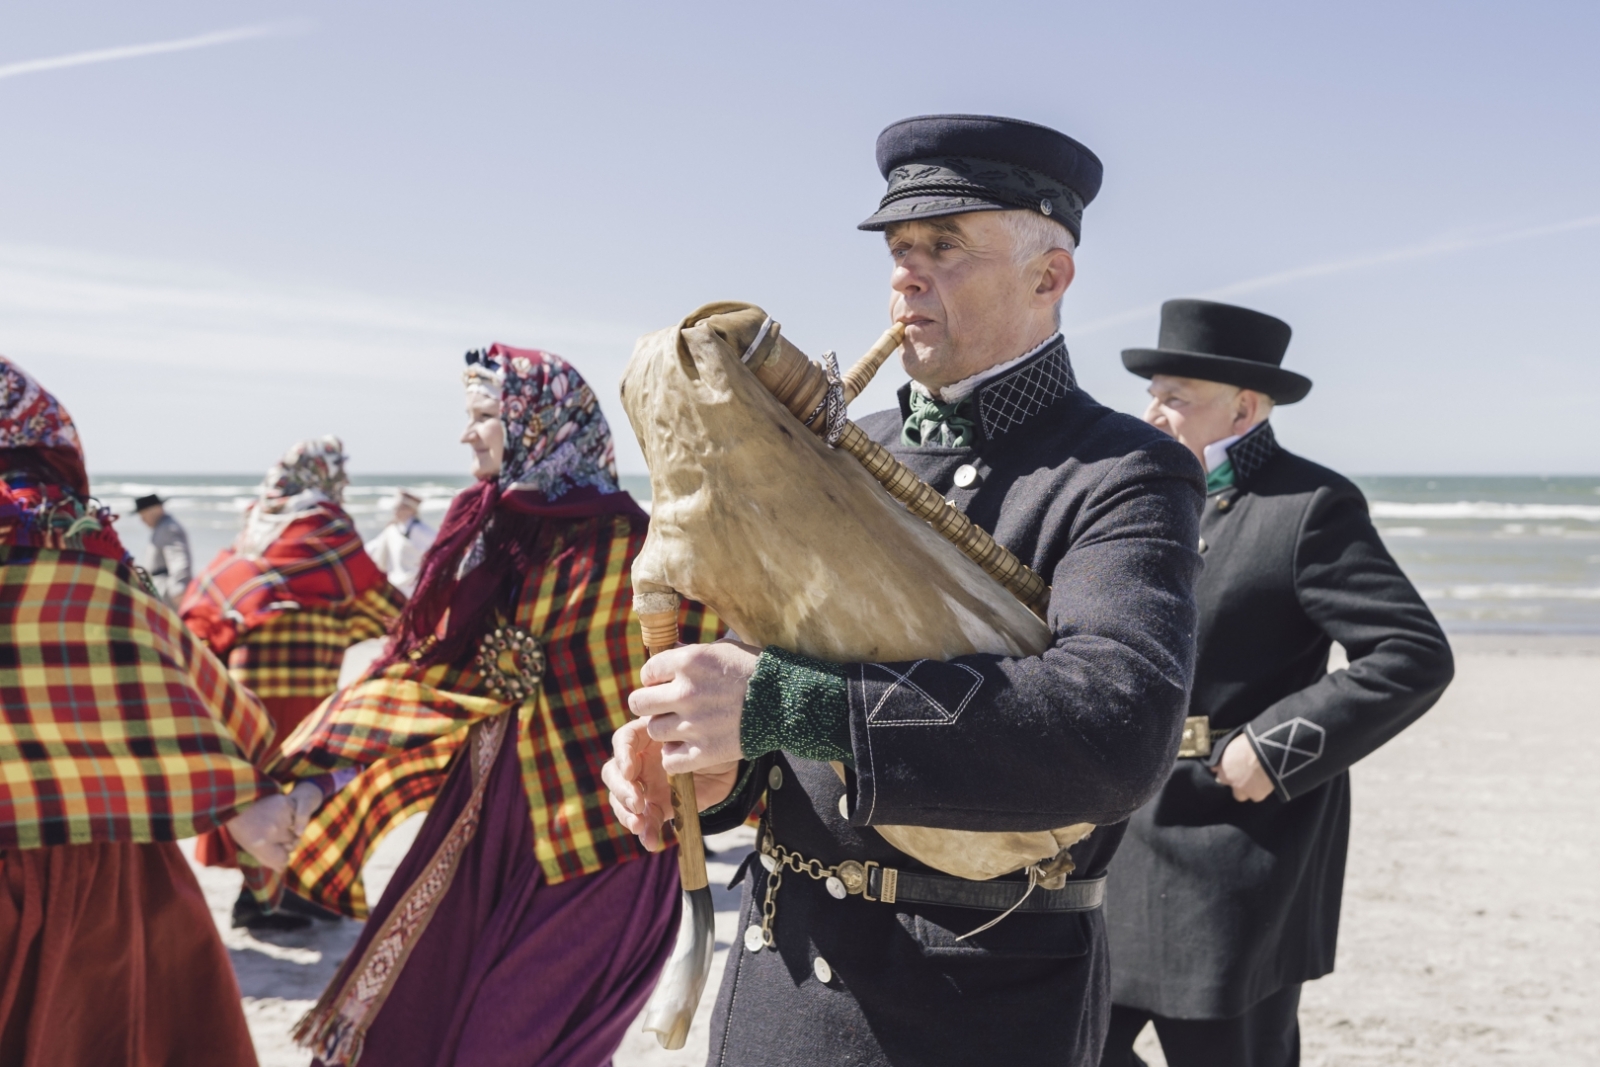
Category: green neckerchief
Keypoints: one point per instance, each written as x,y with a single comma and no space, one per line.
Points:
936,424
1221,478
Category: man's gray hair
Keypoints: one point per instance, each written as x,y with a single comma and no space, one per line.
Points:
1033,235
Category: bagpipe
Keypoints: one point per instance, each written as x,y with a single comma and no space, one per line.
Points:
776,511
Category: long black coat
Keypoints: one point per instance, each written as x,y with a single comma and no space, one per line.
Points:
1106,509
1214,904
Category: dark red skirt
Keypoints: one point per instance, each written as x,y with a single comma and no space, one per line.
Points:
109,955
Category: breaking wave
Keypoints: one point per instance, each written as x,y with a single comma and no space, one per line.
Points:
1484,509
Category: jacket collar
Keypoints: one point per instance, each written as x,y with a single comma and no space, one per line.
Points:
1009,400
1251,453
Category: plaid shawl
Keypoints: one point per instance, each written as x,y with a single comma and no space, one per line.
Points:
116,725
300,653
403,724
317,563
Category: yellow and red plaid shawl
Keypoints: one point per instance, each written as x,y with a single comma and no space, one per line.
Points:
116,724
404,725
299,653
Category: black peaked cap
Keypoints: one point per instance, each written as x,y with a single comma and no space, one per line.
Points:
949,164
1221,343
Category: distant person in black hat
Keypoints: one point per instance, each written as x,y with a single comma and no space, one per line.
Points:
1224,898
982,218
167,558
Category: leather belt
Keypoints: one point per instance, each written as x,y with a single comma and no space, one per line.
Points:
909,887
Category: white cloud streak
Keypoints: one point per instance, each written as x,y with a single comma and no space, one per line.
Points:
1439,246
154,48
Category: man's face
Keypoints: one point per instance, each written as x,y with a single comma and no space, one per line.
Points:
966,303
1199,412
152,515
486,434
404,511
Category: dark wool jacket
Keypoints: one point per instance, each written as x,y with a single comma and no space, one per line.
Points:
1105,508
1215,904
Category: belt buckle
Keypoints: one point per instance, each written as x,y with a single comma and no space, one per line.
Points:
1196,743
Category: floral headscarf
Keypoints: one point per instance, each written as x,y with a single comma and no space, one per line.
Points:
315,465
556,437
37,511
558,465
31,417
308,476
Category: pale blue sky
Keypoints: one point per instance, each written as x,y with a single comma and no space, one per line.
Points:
212,251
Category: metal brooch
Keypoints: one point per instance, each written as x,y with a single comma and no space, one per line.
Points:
526,666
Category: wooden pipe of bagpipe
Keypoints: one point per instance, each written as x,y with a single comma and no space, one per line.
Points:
802,386
677,994
858,376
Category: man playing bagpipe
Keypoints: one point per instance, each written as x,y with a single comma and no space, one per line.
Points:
120,733
982,217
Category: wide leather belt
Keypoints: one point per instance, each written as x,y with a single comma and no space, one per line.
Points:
909,887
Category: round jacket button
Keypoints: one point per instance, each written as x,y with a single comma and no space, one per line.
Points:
1224,504
844,805
1202,548
775,778
754,939
966,476
1046,207
822,970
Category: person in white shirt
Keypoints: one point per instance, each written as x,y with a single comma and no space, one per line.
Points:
398,549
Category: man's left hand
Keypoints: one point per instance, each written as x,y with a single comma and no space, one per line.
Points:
693,696
1241,771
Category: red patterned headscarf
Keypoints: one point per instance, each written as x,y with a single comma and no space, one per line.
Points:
44,488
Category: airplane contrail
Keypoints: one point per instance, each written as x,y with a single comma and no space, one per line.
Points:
1427,250
134,51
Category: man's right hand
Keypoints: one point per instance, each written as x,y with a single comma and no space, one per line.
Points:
640,795
266,830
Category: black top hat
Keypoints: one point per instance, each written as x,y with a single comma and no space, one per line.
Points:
950,164
150,501
1221,343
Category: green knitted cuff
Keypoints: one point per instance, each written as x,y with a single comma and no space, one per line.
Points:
746,768
798,705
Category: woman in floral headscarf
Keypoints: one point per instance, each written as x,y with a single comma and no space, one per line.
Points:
525,925
120,733
281,605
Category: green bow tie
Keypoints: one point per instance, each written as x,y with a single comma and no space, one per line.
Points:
936,424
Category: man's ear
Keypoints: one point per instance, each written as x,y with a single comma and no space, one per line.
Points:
1059,270
1247,405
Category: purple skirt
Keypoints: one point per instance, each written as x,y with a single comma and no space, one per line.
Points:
510,970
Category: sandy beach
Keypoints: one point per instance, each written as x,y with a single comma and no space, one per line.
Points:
1471,930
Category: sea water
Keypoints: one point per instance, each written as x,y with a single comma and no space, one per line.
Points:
1496,554
1490,554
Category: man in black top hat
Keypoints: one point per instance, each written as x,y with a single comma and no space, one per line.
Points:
1225,894
982,217
167,558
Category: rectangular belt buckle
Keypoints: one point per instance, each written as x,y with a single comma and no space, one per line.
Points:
1196,743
